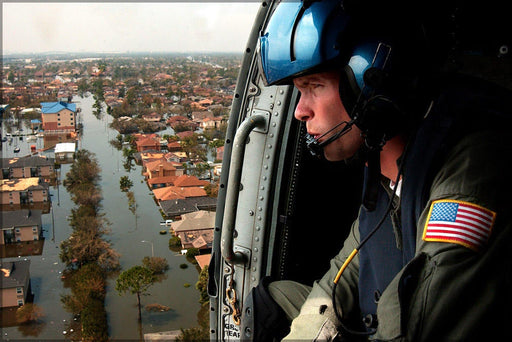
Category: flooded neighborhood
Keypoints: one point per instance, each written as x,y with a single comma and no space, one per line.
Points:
157,142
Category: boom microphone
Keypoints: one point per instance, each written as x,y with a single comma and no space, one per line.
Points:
316,148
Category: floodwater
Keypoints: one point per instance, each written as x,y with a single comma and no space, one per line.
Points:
127,233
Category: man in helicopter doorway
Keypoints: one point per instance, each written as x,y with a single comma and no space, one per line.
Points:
429,257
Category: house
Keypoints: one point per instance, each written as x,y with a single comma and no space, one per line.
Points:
58,117
24,191
161,182
186,195
173,146
15,282
20,225
150,156
148,143
147,156
176,192
220,153
152,117
217,169
65,152
161,168
177,207
187,181
203,260
195,229
176,157
201,115
211,123
196,106
185,134
29,166
177,120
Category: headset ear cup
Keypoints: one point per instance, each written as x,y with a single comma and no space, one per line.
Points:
375,79
348,89
380,119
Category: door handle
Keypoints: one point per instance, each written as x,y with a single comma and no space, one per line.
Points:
233,188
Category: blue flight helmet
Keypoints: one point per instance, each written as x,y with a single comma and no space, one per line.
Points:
302,38
299,38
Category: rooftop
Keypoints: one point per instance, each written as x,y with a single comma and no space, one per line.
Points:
29,161
187,205
20,218
19,184
55,107
65,147
197,220
14,273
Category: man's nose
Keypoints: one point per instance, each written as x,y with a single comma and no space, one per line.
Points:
303,111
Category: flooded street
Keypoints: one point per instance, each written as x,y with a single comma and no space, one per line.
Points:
127,233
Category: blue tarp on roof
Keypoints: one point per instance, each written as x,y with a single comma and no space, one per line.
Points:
55,107
35,121
3,107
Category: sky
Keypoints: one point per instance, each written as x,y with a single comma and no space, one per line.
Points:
206,26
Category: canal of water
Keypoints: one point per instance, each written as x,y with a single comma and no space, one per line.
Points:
127,233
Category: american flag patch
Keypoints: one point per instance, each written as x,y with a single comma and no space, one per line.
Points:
459,222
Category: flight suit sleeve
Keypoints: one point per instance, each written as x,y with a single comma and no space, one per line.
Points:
317,320
451,291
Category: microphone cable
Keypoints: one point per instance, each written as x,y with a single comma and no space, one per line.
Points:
356,250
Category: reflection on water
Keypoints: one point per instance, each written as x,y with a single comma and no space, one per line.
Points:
43,206
50,140
126,233
20,249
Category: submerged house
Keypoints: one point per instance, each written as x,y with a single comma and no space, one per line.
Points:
26,167
20,225
14,283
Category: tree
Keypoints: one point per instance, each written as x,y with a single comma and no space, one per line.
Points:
87,246
212,189
86,243
132,204
191,147
98,90
83,87
135,280
202,286
94,322
11,77
201,169
157,265
192,252
125,183
193,334
132,95
28,313
82,179
87,284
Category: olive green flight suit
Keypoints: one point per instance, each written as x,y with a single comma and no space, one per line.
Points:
457,294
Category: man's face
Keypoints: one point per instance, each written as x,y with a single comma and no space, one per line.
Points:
321,108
